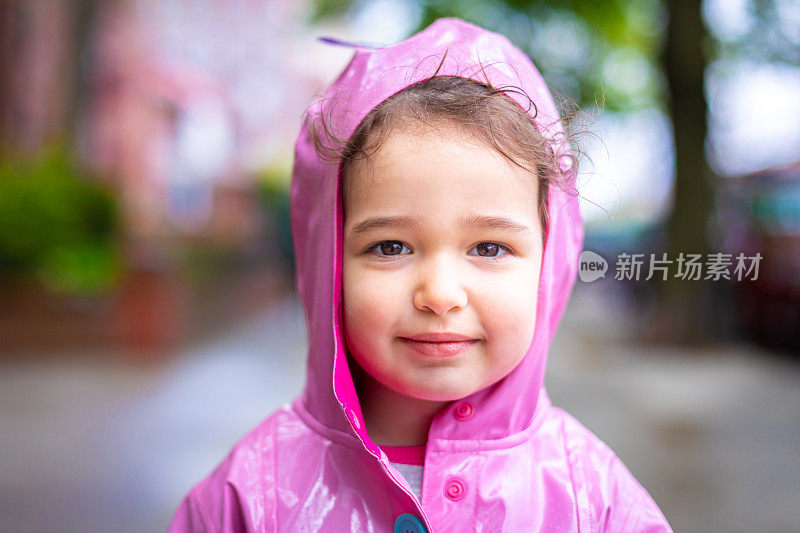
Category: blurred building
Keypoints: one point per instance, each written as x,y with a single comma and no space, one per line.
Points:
177,103
180,107
187,100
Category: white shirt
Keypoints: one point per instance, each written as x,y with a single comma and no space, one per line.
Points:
413,474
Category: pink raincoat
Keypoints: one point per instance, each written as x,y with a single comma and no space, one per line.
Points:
500,460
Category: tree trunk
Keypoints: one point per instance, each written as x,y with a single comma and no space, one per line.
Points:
685,310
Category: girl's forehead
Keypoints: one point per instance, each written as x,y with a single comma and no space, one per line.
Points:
423,159
440,173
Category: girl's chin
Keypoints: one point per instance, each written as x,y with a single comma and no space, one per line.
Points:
437,395
447,386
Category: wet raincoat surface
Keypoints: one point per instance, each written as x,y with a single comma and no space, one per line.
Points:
500,460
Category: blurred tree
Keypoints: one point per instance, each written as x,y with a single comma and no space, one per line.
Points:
56,226
686,311
588,50
769,32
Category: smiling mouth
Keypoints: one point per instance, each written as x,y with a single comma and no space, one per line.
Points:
439,344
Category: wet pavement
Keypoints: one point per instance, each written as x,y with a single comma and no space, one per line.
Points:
92,445
712,433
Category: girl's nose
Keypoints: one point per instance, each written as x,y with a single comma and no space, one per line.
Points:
439,290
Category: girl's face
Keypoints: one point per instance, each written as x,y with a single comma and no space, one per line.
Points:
442,253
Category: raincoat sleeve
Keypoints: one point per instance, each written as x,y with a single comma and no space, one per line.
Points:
236,497
631,508
609,498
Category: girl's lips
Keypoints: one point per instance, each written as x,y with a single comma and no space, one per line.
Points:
438,348
439,337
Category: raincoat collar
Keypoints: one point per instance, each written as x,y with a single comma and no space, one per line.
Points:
507,409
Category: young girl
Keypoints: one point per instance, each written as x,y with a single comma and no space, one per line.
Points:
437,234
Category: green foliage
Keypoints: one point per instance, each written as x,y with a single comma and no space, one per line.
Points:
56,225
587,51
273,182
324,9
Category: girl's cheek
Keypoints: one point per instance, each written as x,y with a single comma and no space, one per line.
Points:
519,289
518,305
369,301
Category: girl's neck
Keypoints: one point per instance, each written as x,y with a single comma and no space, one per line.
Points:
394,419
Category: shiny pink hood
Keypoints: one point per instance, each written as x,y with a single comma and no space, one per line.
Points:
502,459
372,76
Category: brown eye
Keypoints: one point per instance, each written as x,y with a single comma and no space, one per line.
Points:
489,249
390,248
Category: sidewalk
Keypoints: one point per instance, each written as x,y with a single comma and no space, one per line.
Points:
89,446
713,434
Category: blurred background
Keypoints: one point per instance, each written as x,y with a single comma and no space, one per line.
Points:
147,312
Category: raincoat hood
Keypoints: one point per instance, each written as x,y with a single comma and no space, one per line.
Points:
448,47
502,459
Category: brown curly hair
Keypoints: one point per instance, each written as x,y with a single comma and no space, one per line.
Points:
486,113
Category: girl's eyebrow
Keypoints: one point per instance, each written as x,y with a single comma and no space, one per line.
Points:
469,222
374,223
492,223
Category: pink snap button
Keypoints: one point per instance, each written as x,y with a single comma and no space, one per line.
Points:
464,411
455,489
